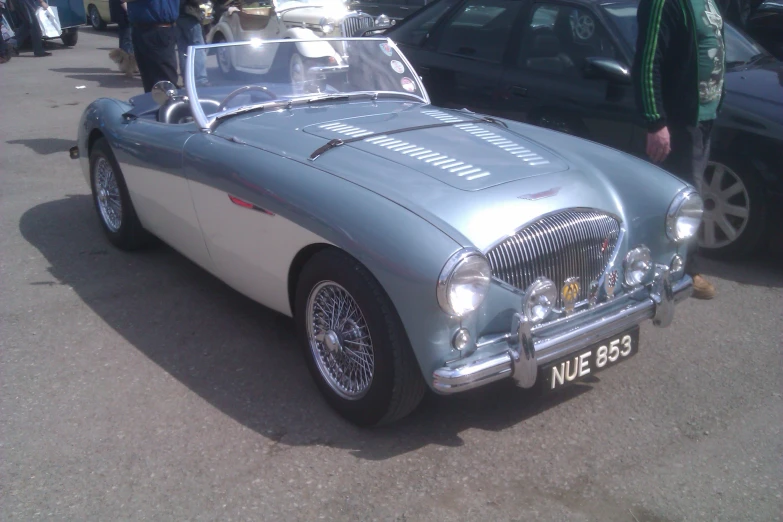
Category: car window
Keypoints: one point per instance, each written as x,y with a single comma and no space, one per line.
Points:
480,30
560,37
415,29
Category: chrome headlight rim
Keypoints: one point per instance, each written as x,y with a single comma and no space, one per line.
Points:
327,25
631,257
541,284
447,274
688,195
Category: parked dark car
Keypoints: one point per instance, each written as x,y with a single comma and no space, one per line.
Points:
396,10
565,65
765,24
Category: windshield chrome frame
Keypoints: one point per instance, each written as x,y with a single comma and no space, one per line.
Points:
206,124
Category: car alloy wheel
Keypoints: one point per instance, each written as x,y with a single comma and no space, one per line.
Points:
107,194
727,206
340,340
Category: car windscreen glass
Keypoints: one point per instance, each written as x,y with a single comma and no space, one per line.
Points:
739,48
280,72
415,29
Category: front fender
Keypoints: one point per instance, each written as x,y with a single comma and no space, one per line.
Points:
104,115
316,49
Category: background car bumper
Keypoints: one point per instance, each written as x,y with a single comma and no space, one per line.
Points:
528,349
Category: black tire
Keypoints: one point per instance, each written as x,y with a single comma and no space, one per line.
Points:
226,68
94,16
70,37
754,231
129,235
397,386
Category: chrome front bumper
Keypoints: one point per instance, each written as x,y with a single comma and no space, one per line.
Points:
527,348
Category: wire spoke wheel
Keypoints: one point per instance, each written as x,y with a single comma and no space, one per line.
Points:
340,340
727,206
107,194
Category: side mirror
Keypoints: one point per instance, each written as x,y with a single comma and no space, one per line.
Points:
163,92
607,69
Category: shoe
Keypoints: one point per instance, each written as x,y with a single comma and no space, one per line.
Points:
702,288
4,59
40,55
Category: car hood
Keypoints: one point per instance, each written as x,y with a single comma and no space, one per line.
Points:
477,181
757,86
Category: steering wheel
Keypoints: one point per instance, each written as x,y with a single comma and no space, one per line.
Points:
237,92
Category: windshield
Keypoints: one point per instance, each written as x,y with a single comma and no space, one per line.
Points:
226,79
288,4
739,48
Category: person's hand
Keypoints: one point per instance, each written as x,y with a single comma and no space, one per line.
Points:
44,5
658,145
124,6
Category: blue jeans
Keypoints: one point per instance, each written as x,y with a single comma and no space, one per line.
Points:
189,33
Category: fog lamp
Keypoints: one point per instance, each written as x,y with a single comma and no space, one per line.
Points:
461,339
677,268
540,297
637,265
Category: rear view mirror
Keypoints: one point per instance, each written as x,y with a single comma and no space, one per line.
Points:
163,91
607,69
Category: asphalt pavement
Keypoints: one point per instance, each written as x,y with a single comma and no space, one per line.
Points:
139,387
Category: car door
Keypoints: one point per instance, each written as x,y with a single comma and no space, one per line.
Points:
460,56
546,82
150,155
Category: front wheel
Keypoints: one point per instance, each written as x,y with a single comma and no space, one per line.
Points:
355,345
224,59
112,199
735,211
95,18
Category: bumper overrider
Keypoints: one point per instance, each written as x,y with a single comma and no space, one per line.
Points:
526,348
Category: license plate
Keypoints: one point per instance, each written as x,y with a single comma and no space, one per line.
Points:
591,360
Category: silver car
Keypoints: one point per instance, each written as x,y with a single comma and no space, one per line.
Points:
416,247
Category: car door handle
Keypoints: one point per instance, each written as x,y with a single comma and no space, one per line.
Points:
516,90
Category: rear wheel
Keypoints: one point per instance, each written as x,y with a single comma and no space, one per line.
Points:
297,72
355,345
70,37
95,18
112,199
735,211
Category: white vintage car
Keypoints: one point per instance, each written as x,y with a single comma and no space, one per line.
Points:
257,20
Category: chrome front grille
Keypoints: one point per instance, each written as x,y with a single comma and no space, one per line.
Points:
572,243
354,23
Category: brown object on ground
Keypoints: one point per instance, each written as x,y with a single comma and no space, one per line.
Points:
702,288
125,62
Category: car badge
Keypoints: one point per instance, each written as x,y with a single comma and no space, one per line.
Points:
605,244
540,195
570,293
592,294
610,282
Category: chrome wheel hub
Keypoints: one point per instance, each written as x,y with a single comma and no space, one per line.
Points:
107,193
340,340
726,206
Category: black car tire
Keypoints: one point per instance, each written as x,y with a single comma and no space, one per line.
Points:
94,16
397,386
752,235
129,235
70,37
224,60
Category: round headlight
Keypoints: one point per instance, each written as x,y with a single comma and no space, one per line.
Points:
464,282
684,215
327,25
540,297
637,265
382,21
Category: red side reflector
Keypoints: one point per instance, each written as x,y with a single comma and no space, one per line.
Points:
241,202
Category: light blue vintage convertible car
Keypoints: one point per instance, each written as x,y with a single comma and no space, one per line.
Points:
415,246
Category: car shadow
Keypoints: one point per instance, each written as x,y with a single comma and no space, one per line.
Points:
236,354
763,269
103,76
44,146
